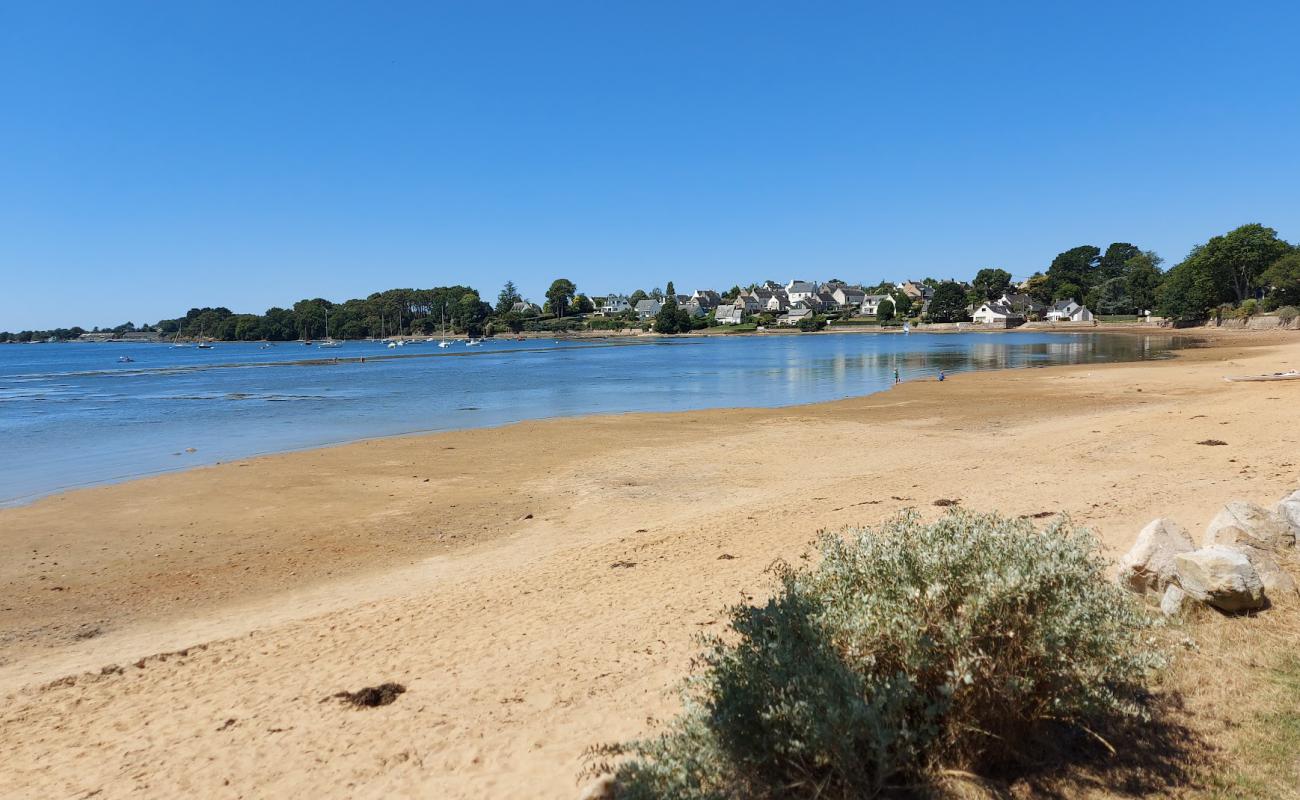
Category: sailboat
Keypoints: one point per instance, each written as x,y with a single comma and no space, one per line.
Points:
329,342
907,328
176,340
444,342
203,344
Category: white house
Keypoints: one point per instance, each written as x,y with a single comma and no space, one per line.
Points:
871,303
797,290
997,314
1068,311
729,314
848,297
614,304
796,315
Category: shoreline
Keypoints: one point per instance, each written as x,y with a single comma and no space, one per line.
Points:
589,340
537,587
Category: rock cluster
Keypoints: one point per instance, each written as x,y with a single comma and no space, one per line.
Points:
1242,564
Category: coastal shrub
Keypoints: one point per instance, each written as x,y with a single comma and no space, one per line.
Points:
908,648
1287,314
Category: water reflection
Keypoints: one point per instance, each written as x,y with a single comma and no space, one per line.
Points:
78,418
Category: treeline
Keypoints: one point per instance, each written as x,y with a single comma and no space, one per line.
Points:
1242,272
1246,270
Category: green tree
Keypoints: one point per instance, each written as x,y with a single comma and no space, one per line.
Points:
583,305
885,311
1241,256
637,297
1073,273
507,298
672,318
1114,263
560,296
948,303
902,303
1142,278
1112,297
991,282
1282,281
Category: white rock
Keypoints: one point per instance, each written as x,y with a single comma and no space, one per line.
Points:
1220,576
600,789
1277,583
1288,511
1246,523
1171,605
1148,566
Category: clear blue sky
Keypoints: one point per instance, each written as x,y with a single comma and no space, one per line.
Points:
156,156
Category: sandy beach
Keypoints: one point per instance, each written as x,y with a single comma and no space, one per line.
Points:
537,588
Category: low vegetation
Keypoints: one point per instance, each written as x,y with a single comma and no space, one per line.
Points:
908,654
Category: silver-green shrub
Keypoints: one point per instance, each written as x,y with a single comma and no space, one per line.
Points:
907,647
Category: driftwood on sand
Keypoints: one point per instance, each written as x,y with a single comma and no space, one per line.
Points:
1293,375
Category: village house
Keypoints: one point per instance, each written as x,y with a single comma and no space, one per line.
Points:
526,308
871,303
797,290
729,314
1068,311
1022,304
848,296
614,304
647,308
693,308
916,291
796,315
997,314
707,298
748,302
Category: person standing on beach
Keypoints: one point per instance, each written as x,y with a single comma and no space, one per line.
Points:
896,379
941,375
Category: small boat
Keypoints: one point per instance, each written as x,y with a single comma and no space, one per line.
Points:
125,360
329,340
1290,375
907,328
204,345
392,345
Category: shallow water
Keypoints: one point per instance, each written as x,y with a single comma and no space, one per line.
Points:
71,415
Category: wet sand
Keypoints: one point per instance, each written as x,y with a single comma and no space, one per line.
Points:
537,587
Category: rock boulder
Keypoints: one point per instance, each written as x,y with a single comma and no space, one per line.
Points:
1220,576
1148,566
1288,511
1241,523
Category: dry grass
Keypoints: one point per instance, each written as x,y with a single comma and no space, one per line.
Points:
1242,696
1225,725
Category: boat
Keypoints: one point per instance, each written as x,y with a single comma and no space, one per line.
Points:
1290,375
444,342
392,345
204,345
177,344
125,360
907,328
329,341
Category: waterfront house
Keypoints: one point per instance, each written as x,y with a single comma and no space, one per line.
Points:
916,291
693,308
1022,304
797,290
729,314
748,301
848,296
614,304
647,308
1068,311
707,298
796,315
526,308
871,303
997,314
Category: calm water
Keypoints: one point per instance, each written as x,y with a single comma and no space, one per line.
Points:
71,415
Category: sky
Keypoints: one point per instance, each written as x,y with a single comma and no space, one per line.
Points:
156,156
